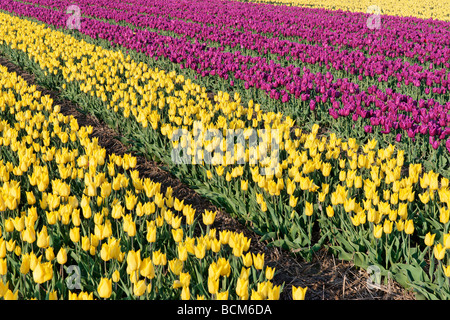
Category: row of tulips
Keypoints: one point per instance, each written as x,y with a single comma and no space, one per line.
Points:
354,62
425,40
433,9
367,203
65,203
366,71
387,111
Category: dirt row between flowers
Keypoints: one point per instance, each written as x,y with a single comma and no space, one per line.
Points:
326,277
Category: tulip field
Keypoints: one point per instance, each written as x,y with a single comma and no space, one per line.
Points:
297,118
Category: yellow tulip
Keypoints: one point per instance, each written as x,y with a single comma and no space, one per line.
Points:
74,234
258,261
130,200
117,211
31,199
49,254
105,252
244,185
147,269
139,288
3,267
222,295
185,279
175,266
213,285
293,201
330,211
177,234
447,241
242,287
274,293
133,260
200,250
85,243
429,239
444,215
115,276
53,295
42,272
446,270
104,288
159,258
9,295
25,266
439,251
378,231
387,226
299,293
308,208
400,225
131,230
208,217
269,273
409,227
61,257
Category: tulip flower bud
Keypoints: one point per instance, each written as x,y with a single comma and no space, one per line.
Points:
74,234
308,208
133,260
53,295
105,252
242,287
446,241
104,288
61,257
378,231
269,273
147,269
25,266
330,211
409,227
2,248
298,293
39,274
49,254
446,270
176,265
258,260
116,276
213,285
139,288
429,239
439,251
177,235
215,245
208,217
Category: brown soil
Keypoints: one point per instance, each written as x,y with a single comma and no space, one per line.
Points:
326,277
